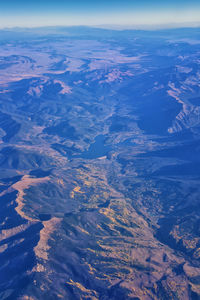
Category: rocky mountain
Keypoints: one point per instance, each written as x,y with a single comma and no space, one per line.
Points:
100,164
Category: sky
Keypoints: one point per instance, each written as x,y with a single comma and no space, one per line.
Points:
125,13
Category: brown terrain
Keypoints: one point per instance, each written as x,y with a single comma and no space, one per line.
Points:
99,155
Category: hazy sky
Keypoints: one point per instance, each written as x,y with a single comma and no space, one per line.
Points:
98,12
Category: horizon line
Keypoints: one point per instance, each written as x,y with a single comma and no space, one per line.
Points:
146,26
